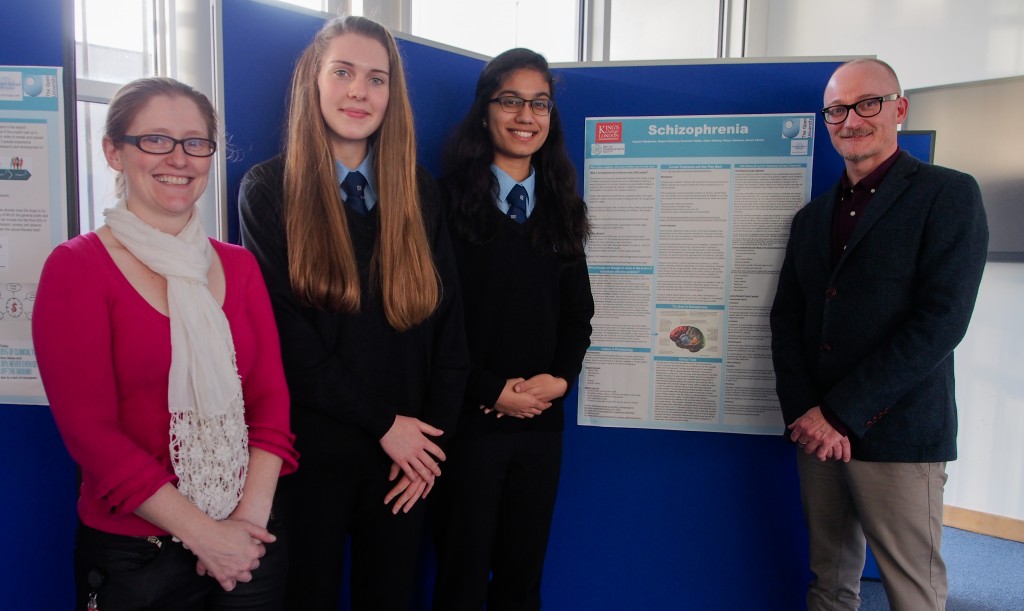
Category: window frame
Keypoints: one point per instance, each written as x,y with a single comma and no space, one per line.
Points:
185,32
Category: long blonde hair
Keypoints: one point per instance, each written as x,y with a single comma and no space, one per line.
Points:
321,259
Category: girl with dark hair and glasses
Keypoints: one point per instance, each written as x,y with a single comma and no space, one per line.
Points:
519,229
158,351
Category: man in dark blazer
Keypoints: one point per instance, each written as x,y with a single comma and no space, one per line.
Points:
877,288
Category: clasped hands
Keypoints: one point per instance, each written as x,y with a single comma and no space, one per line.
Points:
416,461
815,435
231,551
526,398
416,458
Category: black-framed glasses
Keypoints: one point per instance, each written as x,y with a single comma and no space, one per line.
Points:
514,103
867,107
159,144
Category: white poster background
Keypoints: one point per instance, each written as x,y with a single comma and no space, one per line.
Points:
690,217
33,214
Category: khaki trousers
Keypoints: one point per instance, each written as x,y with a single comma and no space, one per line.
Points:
897,508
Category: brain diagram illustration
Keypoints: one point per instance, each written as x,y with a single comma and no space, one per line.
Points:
687,337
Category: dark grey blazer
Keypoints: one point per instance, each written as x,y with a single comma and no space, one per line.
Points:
872,337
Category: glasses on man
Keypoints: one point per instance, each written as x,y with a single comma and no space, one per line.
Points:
512,103
867,107
159,144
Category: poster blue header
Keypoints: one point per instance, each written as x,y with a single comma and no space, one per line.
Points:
700,136
29,88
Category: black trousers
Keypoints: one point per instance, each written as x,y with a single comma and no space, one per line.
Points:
496,503
329,500
136,574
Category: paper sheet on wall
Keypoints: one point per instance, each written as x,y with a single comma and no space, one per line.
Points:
690,218
33,213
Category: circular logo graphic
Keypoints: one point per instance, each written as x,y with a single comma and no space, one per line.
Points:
33,85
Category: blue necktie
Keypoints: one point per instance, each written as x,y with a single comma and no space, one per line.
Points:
517,199
354,184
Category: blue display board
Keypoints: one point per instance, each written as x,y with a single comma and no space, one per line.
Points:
38,481
673,520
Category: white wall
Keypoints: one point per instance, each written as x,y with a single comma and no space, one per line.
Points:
929,43
989,476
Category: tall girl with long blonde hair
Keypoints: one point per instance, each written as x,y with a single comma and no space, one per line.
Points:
351,241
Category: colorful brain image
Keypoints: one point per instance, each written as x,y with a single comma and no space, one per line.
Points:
687,338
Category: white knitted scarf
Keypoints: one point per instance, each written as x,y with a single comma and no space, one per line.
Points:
208,437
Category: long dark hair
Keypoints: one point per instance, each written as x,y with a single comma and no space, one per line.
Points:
560,218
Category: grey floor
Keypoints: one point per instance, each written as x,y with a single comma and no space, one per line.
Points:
985,574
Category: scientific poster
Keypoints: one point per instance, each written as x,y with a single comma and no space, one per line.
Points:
690,218
33,213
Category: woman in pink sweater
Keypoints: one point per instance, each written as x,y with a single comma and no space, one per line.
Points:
158,351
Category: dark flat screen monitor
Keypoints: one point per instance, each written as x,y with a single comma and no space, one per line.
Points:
919,143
